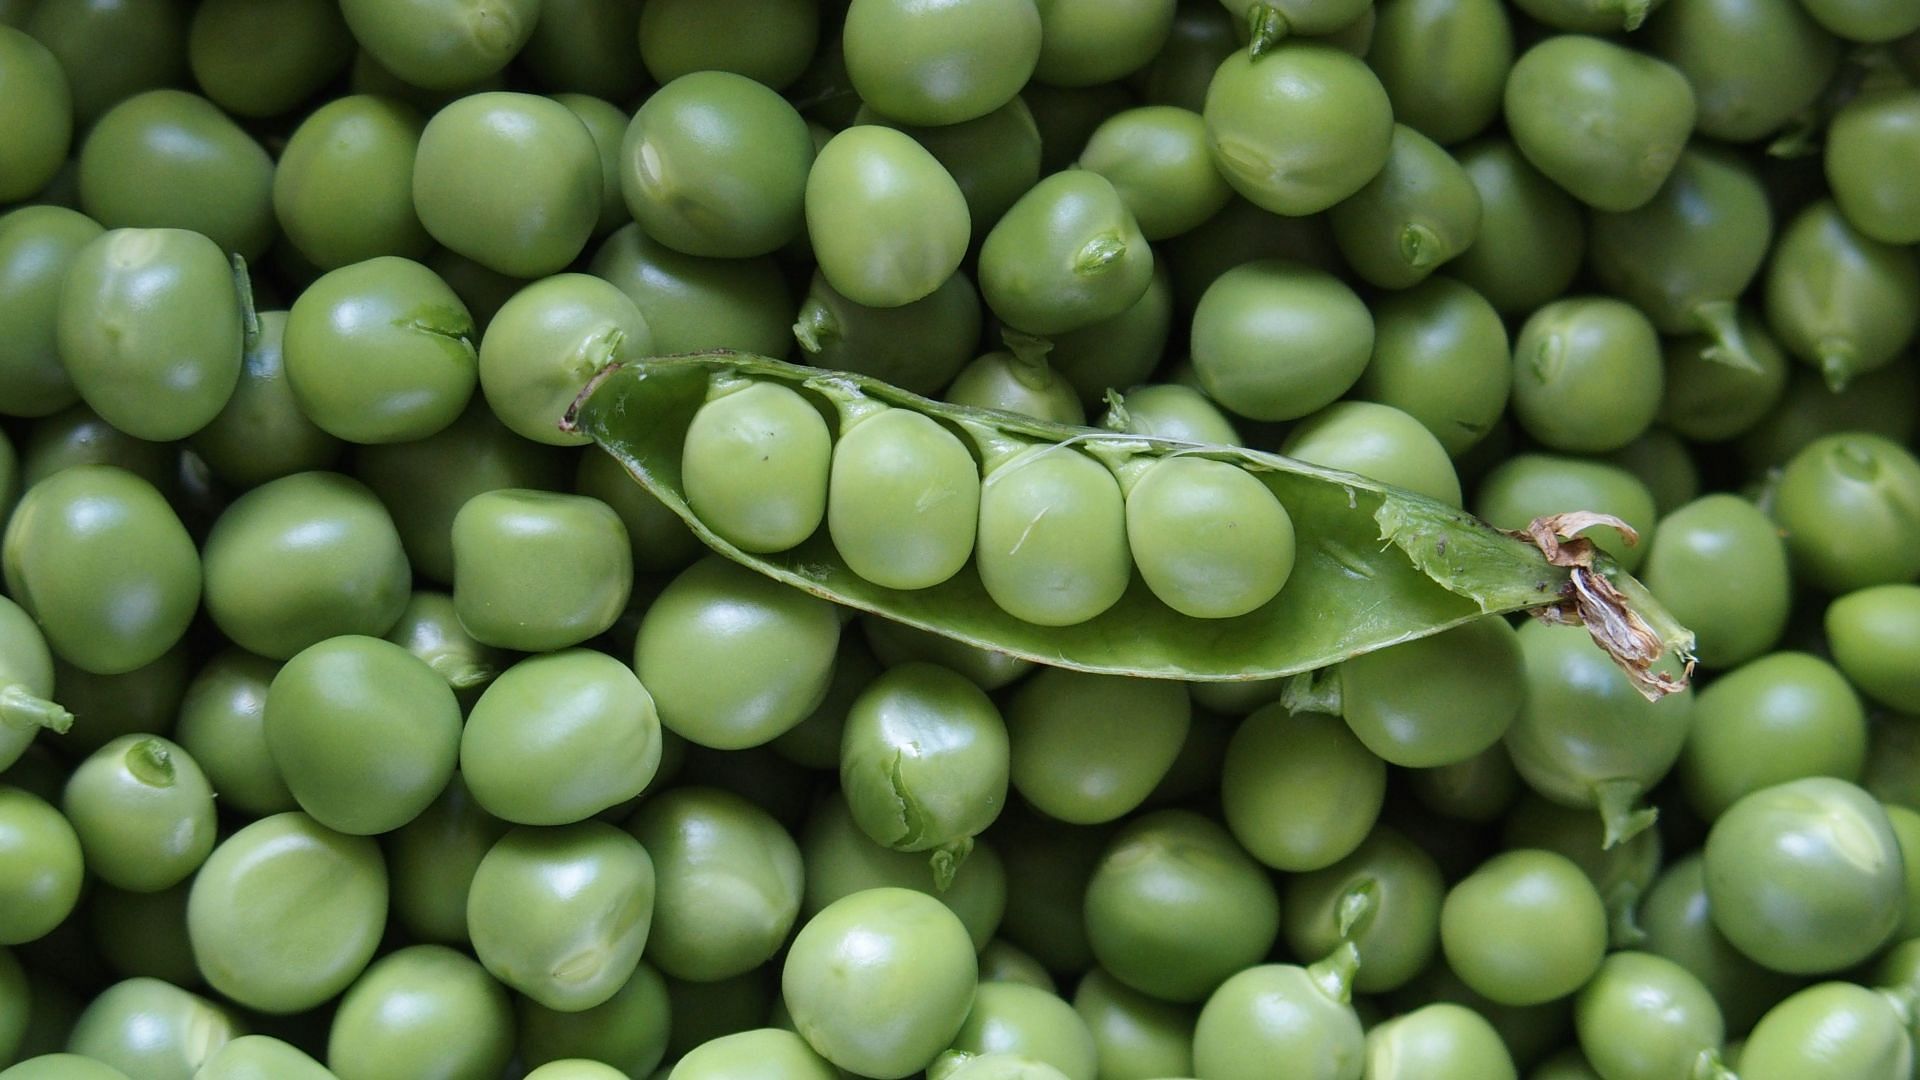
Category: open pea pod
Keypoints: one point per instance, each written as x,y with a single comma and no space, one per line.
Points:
1374,565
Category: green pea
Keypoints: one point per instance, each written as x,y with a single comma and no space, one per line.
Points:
559,737
145,700
429,628
1645,1016
1299,791
1754,65
1002,961
1091,748
581,587
562,914
1870,147
1707,399
78,436
259,60
881,981
1067,255
1531,485
1276,1013
1906,831
39,123
1864,20
896,643
544,345
434,857
1171,411
99,559
1157,160
1778,718
1275,339
1442,64
1634,113
149,1028
439,44
1442,1041
1420,210
170,159
1210,539
993,159
1892,773
607,123
1384,897
426,482
917,346
261,434
761,1052
1590,16
1805,877
1200,36
628,1030
903,501
1017,383
26,682
1873,634
1675,915
841,860
1052,541
1586,374
112,51
1136,1037
1438,700
755,464
143,811
1565,750
1087,42
286,886
38,245
420,1009
1839,300
1300,128
149,328
1379,442
364,733
886,221
1242,233
1830,1031
779,641
767,40
62,1067
1012,1018
1884,402
1743,615
144,934
380,351
1532,233
1439,355
1848,506
940,64
343,190
1525,928
716,164
691,303
585,47
1176,906
509,180
221,727
43,863
260,1057
1119,351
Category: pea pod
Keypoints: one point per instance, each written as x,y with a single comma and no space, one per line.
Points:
1415,566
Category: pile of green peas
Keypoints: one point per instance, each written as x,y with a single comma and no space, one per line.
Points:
360,720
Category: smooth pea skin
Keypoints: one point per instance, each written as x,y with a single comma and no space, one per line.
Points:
904,499
37,246
1171,411
1443,63
545,343
1298,129
62,1067
442,44
434,857
885,220
727,882
1601,120
39,122
1437,700
1526,927
1135,1036
1379,442
1532,233
1778,718
539,570
1299,791
759,1054
1052,540
301,559
1529,485
1419,211
943,62
221,725
264,59
629,1030
102,563
879,982
841,860
1021,384
1849,506
170,159
755,465
778,642
27,676
1706,399
1873,146
1013,1018
1091,748
1275,339
1643,1017
1874,634
149,329
993,158
1276,1013
429,628
1175,906
380,351
1720,567
1210,540
1440,355
1839,300
692,304
1157,160
422,1010
1865,20
343,189
918,346
43,867
261,434
261,1057
770,41
562,914
716,164
1806,877
512,181
143,811
1586,374
286,913
364,733
1755,65
1067,255
1384,898
1831,1031
560,737
1442,1041
149,1028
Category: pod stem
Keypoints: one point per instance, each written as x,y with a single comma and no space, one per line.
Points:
1420,246
815,327
1027,347
1720,319
1621,815
1839,362
1098,254
1266,27
1623,923
1708,1066
1117,418
1334,974
461,672
249,314
1313,692
26,711
151,763
946,860
1633,13
848,402
1357,907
